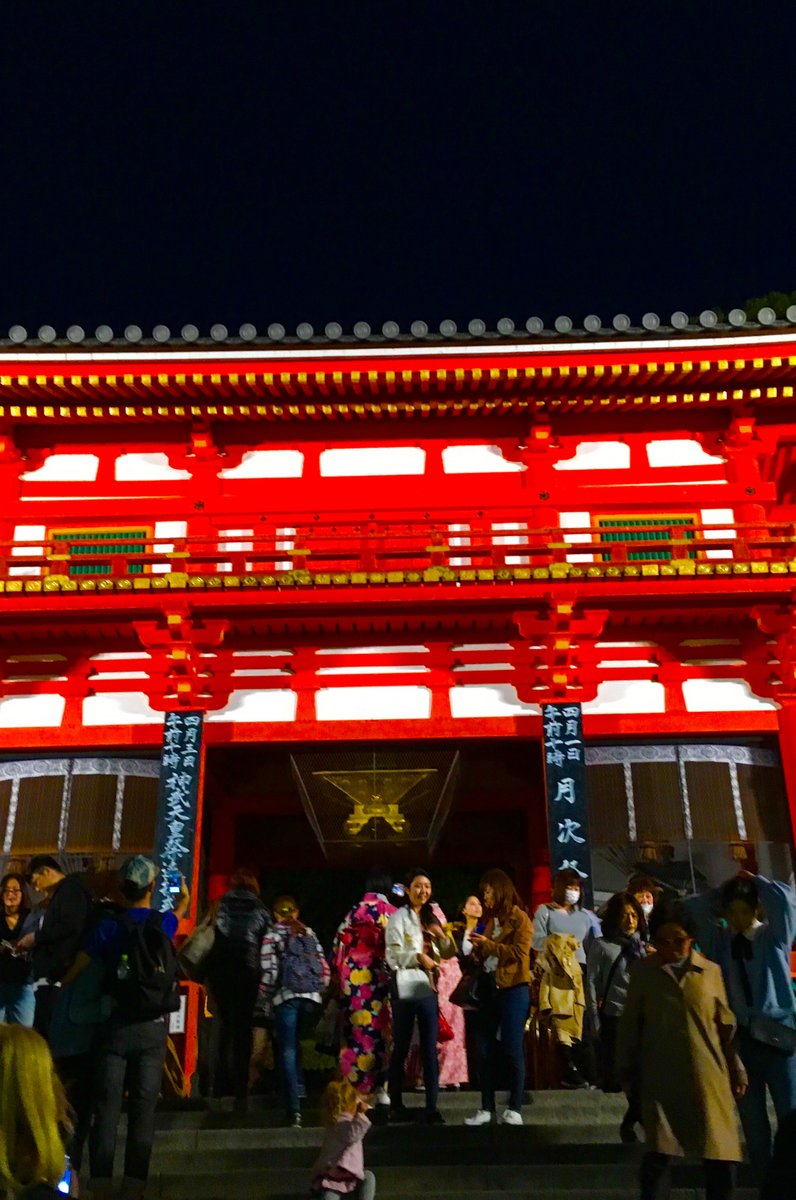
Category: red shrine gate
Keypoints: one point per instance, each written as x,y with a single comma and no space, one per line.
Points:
417,543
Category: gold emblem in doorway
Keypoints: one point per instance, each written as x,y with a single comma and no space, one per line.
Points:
376,795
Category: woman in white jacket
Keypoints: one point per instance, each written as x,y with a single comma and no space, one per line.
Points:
415,943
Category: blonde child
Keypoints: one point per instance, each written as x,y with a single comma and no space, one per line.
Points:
33,1117
340,1167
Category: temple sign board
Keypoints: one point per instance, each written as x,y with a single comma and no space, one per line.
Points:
178,794
565,781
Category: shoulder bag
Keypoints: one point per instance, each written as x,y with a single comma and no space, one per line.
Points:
770,1032
193,954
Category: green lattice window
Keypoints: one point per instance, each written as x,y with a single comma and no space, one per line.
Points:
102,543
638,529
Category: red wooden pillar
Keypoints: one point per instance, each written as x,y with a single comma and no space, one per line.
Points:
786,719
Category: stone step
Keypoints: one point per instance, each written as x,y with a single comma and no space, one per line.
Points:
411,1184
425,1149
228,1156
541,1107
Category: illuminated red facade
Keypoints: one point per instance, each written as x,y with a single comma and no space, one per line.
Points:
372,543
364,543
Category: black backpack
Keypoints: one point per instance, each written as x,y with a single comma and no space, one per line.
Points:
143,981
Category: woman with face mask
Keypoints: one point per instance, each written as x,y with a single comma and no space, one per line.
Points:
677,1052
415,943
646,893
565,915
607,976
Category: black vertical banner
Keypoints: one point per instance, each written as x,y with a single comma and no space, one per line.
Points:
565,778
178,797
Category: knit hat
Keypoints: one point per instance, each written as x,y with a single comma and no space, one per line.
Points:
138,870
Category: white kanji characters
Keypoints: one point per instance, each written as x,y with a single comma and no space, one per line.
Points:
571,864
568,831
566,792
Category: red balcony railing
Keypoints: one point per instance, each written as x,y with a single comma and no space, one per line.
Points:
499,541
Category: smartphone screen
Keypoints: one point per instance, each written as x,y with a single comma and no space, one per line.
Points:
174,883
65,1182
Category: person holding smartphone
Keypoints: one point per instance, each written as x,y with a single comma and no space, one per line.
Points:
415,943
504,949
17,1003
135,949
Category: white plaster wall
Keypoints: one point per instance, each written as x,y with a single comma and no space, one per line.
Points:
27,534
120,708
679,452
65,468
245,706
144,467
373,460
723,695
29,712
596,456
489,700
718,516
267,464
576,520
480,460
167,529
372,703
628,696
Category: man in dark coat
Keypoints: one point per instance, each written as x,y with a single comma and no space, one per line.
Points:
54,946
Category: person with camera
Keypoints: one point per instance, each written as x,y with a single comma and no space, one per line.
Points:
136,950
748,926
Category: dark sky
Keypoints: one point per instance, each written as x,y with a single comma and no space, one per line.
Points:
284,161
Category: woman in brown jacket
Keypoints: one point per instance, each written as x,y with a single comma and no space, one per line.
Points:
504,951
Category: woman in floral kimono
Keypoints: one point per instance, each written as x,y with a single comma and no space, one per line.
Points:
364,978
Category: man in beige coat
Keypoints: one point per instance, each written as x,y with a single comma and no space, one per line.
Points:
676,1048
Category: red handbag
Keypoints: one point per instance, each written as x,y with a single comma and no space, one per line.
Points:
444,1032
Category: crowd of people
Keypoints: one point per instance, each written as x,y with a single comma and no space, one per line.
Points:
87,983
685,1006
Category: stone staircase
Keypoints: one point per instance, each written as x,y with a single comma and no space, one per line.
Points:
568,1149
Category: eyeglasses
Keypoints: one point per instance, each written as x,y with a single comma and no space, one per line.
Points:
677,940
12,891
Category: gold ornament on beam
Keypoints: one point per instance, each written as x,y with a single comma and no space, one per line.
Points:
376,795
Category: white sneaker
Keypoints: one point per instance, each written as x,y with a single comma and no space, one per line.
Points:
380,1096
511,1117
481,1117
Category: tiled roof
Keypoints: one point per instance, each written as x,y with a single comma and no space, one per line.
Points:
419,332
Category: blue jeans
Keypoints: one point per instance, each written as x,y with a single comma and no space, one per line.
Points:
766,1068
404,1014
508,1017
287,1019
17,1004
128,1057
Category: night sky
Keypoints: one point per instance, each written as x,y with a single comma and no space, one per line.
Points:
269,161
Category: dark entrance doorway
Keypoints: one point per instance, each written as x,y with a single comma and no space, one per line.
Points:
254,816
